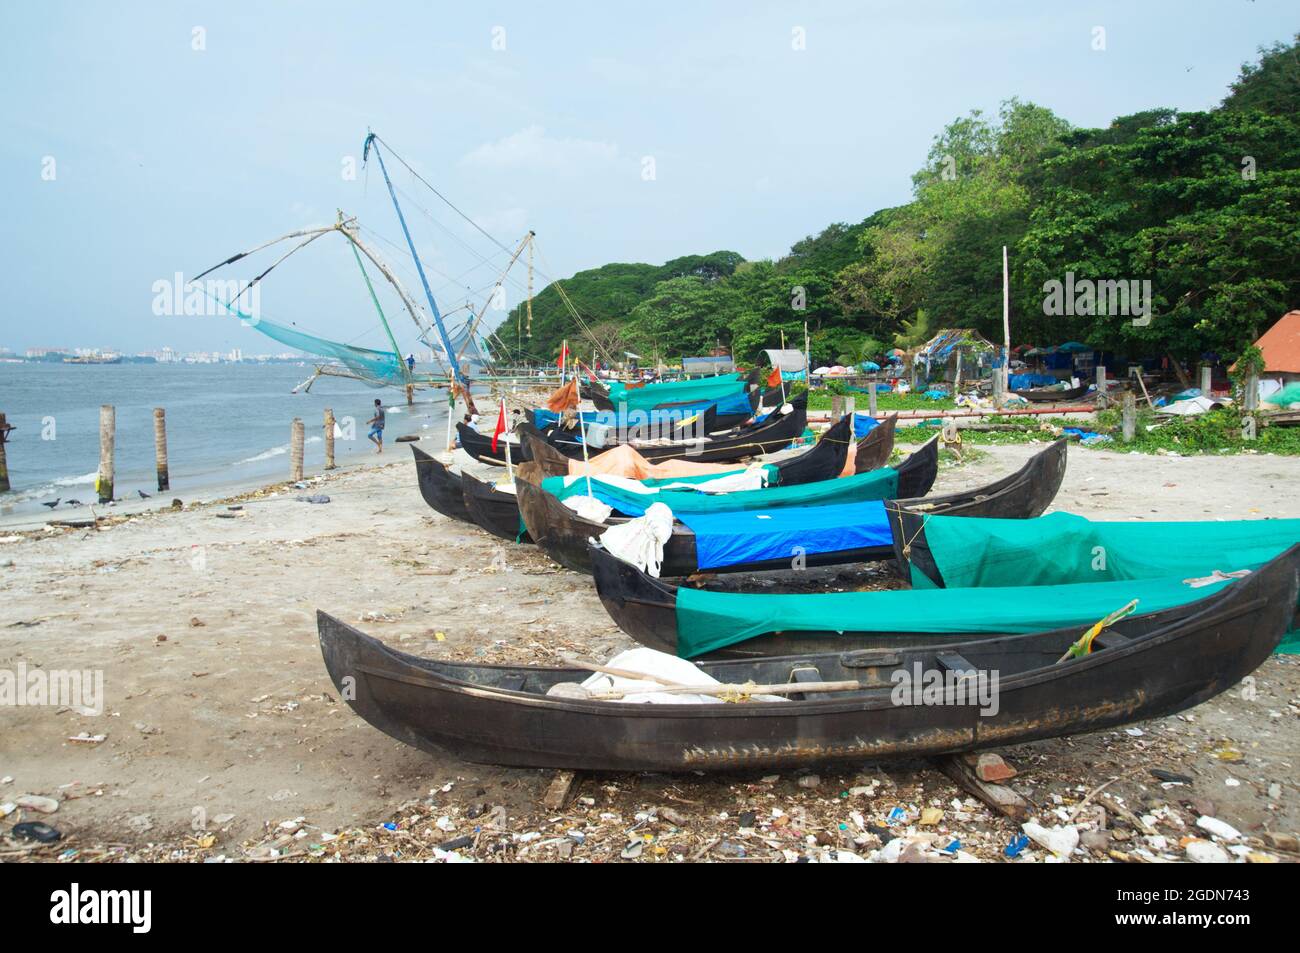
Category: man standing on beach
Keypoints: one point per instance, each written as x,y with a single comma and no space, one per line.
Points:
376,435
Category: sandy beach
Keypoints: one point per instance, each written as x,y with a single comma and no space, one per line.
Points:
219,718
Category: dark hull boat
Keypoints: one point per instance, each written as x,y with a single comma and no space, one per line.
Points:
726,421
479,446
822,461
1021,495
1144,668
440,487
563,534
646,609
1047,394
771,435
758,404
598,393
874,449
497,511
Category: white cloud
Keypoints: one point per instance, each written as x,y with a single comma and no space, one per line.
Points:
533,148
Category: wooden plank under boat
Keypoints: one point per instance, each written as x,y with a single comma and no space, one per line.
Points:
1144,667
562,534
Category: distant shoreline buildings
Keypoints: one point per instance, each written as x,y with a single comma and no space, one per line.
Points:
166,355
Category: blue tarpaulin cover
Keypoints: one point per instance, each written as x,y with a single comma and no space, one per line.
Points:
1030,381
727,539
863,424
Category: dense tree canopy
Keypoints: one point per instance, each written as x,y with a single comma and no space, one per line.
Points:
1200,207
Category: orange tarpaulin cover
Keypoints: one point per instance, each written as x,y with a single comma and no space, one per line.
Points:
564,398
624,461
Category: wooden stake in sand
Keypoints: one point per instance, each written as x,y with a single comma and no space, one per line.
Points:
295,450
4,466
1130,417
329,438
107,433
160,447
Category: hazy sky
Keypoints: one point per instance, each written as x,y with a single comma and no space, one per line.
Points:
168,158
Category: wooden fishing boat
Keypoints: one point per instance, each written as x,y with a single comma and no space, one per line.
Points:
440,487
1021,495
822,461
1063,548
646,609
493,508
874,449
721,421
598,393
479,446
1047,394
704,442
562,534
1144,667
772,434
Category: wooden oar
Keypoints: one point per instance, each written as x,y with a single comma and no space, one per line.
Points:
620,673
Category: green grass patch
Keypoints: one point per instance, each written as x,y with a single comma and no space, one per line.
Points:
821,400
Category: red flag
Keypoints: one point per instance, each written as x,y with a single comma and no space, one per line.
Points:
774,379
564,356
501,426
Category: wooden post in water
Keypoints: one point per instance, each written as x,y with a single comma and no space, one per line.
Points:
1205,379
107,433
4,466
871,398
160,447
329,438
410,395
295,450
1101,400
1130,417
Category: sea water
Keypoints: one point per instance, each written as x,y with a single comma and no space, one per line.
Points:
227,425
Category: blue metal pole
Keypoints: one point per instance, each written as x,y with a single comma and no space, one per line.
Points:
437,315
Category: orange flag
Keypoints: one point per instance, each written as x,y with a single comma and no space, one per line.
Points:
774,379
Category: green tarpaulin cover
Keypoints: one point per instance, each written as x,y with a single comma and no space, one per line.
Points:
707,621
879,484
1064,548
651,395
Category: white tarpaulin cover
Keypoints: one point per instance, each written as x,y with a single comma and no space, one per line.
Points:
641,541
662,670
785,360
